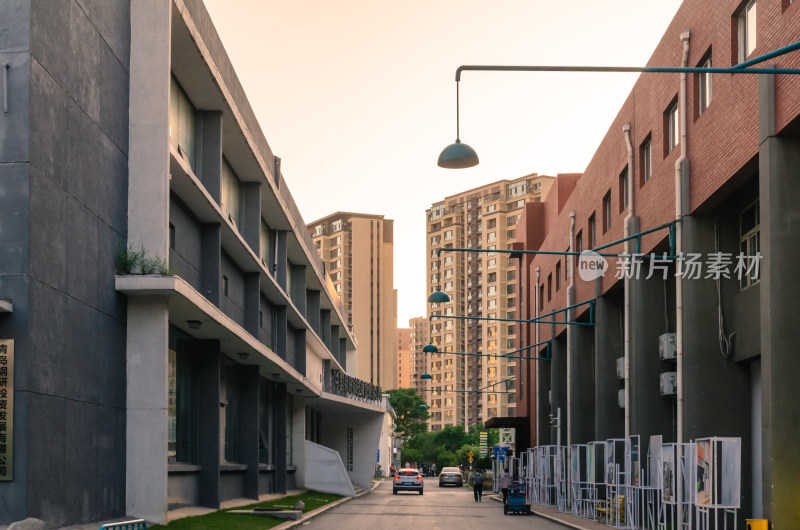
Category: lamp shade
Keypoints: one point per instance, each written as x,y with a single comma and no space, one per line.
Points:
430,348
458,156
438,297
426,375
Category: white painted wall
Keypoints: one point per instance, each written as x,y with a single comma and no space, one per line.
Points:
325,471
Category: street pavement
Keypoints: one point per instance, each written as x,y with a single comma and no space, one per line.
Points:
438,509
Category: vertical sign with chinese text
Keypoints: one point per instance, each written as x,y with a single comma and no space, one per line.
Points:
6,409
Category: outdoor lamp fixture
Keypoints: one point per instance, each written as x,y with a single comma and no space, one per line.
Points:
430,348
426,375
460,156
438,297
457,155
423,406
244,355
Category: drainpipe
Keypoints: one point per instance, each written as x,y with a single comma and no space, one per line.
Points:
536,311
679,165
570,301
626,129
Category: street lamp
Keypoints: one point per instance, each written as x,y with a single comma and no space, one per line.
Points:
460,156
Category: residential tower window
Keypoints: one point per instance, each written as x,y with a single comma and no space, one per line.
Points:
607,211
704,88
592,230
558,275
747,30
672,126
549,286
182,122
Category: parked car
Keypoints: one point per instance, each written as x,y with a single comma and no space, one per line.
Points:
450,476
407,479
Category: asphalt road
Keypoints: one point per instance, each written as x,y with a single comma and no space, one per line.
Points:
438,509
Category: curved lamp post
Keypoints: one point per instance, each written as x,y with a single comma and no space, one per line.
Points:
460,156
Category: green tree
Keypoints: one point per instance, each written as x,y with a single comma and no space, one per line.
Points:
411,419
451,437
446,459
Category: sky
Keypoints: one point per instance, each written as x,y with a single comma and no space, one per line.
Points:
357,97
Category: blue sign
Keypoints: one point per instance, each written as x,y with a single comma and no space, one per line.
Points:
500,453
378,459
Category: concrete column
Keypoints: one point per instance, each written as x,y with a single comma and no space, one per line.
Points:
146,418
279,333
252,215
313,297
252,303
298,288
334,346
300,351
543,405
280,437
280,275
558,385
651,413
779,187
325,326
148,154
208,378
210,261
582,404
250,380
609,418
299,439
209,164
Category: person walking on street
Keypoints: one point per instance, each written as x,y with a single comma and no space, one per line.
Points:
505,483
433,469
477,483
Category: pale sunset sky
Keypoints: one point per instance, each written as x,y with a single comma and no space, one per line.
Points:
357,97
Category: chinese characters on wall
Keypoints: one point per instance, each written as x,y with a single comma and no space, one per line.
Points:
6,409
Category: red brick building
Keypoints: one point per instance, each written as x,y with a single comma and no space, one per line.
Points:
738,164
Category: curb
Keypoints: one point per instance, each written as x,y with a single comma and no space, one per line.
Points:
322,509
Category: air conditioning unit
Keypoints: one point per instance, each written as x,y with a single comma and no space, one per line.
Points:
621,398
666,347
668,383
620,368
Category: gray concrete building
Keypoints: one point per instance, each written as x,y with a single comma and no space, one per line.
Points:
173,339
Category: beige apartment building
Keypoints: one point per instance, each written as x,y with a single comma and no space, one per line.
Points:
479,285
418,338
358,252
403,358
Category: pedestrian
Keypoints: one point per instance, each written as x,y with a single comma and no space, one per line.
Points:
477,485
392,470
505,483
408,465
433,469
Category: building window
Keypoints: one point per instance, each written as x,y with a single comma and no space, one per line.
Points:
623,189
289,433
579,243
592,230
645,160
750,244
671,127
266,431
549,286
224,285
231,195
607,211
747,30
541,296
233,416
558,275
182,123
171,236
182,414
350,449
704,87
335,253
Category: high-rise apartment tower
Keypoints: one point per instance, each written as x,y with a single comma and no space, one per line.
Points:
479,285
358,251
